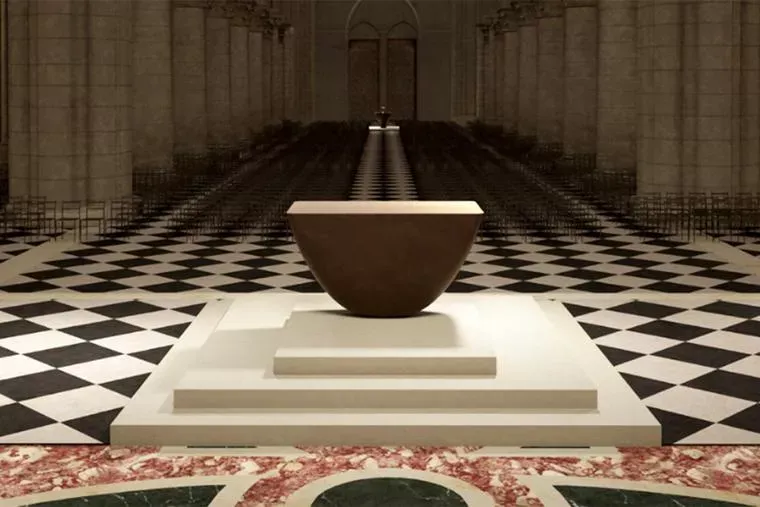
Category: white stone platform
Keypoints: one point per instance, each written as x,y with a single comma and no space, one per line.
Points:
289,369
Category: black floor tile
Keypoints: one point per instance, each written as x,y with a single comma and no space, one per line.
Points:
578,310
96,426
646,309
15,418
103,329
596,331
172,287
748,419
153,356
618,356
60,357
19,327
701,355
729,384
750,327
39,384
731,309
125,309
676,427
128,386
29,310
174,330
645,387
672,330
94,288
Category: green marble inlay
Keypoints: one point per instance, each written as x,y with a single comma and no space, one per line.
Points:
389,492
185,496
583,496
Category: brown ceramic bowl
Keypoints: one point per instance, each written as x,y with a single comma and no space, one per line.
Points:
384,258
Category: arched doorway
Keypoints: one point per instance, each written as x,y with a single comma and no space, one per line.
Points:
382,58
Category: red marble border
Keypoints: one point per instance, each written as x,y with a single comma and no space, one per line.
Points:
35,469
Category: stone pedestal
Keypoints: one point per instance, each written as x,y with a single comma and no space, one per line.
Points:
579,133
618,87
550,95
153,128
550,387
218,100
70,100
189,78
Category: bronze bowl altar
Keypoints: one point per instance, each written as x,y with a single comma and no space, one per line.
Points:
384,258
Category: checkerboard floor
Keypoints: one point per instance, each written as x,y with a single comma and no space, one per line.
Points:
694,361
68,366
155,260
13,244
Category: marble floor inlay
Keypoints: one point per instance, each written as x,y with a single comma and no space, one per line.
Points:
60,476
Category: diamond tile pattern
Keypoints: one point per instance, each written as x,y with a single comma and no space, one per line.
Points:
694,362
67,367
156,260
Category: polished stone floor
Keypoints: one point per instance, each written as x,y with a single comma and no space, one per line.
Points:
379,477
69,365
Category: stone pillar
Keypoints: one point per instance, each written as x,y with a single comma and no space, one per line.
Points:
750,127
383,70
153,128
526,126
698,108
266,75
239,75
658,157
481,39
617,86
579,137
70,100
717,96
218,103
4,84
276,76
511,83
551,83
498,65
489,79
189,77
255,77
289,71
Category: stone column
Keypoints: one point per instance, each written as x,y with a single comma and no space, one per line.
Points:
750,127
289,72
218,103
481,40
266,75
383,69
489,79
526,126
717,96
189,77
511,83
579,137
153,133
239,75
551,83
617,86
658,158
255,77
276,76
4,84
498,65
70,100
